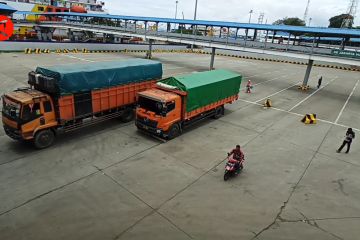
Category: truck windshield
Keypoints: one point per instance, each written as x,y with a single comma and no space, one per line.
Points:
151,105
11,109
30,112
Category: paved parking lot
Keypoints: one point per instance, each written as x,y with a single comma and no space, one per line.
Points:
111,182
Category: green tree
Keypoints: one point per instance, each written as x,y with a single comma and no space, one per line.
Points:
336,21
294,21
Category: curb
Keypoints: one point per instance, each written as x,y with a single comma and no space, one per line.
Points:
39,51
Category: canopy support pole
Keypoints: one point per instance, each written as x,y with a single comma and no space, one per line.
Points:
308,71
213,50
149,53
266,38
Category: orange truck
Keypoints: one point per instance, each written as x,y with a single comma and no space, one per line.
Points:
65,98
177,102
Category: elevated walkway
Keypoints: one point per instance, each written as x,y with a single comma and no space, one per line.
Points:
284,50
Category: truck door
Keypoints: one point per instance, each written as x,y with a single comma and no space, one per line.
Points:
173,112
170,107
48,113
30,118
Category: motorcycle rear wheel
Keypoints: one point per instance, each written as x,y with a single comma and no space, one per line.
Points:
226,176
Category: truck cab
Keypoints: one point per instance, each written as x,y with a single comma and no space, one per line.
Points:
159,112
28,114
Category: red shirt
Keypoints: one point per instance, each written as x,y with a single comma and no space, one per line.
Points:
237,154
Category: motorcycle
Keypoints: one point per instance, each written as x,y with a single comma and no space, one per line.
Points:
230,167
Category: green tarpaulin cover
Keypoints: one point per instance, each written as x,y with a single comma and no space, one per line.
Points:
204,88
76,78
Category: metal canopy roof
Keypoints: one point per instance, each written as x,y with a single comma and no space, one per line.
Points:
319,31
4,8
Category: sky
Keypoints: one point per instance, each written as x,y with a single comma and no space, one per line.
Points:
233,10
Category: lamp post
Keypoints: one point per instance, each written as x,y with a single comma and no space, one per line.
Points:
195,13
251,12
247,30
183,25
176,9
196,4
194,27
310,19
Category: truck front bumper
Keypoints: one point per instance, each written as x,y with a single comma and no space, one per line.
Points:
12,132
151,130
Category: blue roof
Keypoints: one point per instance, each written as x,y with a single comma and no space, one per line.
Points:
6,8
319,31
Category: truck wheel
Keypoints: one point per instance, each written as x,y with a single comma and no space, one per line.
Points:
174,131
219,112
127,116
44,139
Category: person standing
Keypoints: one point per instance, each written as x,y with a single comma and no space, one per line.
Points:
319,82
248,86
350,135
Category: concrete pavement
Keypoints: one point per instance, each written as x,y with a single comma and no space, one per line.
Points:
112,182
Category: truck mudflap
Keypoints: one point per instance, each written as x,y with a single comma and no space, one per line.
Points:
12,132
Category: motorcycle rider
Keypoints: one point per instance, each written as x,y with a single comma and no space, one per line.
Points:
239,156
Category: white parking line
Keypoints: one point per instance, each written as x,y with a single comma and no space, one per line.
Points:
81,59
273,79
180,73
277,92
261,74
347,101
173,68
299,103
236,63
300,115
